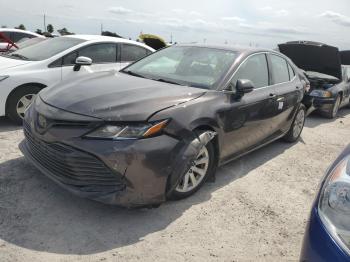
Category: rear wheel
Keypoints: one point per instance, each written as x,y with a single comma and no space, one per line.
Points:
297,125
19,101
202,167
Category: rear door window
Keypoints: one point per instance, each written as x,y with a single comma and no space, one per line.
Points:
131,53
254,69
279,68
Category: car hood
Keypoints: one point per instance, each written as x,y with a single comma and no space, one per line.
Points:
117,96
345,57
313,56
6,63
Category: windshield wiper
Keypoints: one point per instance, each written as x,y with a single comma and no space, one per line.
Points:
133,73
168,81
19,56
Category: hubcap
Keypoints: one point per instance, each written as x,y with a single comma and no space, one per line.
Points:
196,173
24,103
336,106
299,123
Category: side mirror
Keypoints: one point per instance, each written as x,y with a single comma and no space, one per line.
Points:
82,61
244,86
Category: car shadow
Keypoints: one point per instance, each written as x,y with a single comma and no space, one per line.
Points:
37,214
6,125
315,119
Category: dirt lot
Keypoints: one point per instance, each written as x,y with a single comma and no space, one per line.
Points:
256,210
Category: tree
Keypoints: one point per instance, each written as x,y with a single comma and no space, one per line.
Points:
107,33
21,26
64,31
50,28
38,31
3,26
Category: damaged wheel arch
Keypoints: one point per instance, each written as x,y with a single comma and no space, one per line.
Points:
203,136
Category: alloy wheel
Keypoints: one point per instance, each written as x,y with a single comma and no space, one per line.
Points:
336,107
196,173
299,123
24,103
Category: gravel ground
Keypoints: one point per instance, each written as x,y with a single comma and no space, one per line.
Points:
256,210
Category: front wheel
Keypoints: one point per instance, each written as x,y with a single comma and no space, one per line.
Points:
332,113
202,167
19,101
297,125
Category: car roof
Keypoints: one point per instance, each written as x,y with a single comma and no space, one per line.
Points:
19,31
239,49
108,38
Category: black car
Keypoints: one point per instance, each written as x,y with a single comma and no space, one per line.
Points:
329,79
158,129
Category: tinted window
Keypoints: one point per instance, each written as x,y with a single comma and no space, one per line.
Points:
46,49
6,34
18,36
131,53
254,69
291,72
70,58
279,69
100,53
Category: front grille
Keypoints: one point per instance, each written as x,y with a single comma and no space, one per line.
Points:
71,166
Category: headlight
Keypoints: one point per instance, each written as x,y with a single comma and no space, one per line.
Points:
321,93
334,204
3,78
128,131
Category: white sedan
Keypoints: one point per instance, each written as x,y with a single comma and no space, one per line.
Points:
25,72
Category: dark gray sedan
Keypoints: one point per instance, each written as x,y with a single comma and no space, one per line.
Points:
158,129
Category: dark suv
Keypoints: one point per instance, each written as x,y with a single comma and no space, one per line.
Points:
159,128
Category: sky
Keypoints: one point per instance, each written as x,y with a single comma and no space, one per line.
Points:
263,23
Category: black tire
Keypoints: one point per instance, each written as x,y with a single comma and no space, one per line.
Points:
332,113
293,136
13,101
177,195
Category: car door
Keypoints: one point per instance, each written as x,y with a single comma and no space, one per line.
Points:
288,92
130,53
103,55
247,121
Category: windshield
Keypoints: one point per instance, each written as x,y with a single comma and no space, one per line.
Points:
192,66
45,49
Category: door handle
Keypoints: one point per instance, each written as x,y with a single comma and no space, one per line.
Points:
281,99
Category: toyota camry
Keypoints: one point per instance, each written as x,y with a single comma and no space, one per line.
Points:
158,129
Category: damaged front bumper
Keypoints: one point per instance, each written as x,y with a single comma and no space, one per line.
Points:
129,173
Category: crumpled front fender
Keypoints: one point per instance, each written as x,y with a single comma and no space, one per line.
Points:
186,152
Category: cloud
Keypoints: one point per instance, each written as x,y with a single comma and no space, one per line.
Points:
119,10
281,12
336,18
274,12
195,13
266,8
233,19
264,27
